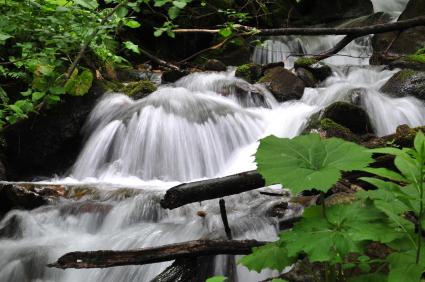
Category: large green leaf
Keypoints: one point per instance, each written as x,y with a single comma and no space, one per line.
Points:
344,230
403,267
307,161
271,256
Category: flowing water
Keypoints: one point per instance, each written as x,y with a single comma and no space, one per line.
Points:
205,125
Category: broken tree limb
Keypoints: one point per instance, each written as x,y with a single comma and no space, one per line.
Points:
198,191
191,249
354,31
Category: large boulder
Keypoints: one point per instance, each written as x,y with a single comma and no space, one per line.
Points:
48,143
283,84
350,116
393,45
16,197
406,83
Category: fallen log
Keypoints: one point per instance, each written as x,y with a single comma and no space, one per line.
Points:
191,249
353,31
198,191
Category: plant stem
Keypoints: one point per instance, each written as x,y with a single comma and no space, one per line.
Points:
421,208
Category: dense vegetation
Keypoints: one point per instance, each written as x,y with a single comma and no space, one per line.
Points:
333,240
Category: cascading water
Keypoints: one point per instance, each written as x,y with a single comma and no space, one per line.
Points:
204,125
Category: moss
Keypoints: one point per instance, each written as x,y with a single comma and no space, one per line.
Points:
249,72
305,62
112,85
416,58
138,88
405,74
334,129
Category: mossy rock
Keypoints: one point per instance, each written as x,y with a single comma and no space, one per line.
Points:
283,84
334,129
249,72
306,76
406,83
139,89
350,116
305,62
320,70
214,65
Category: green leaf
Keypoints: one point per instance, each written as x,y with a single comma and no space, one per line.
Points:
307,161
344,230
403,266
132,24
158,32
57,90
131,46
384,172
88,4
226,32
122,12
78,85
270,256
4,37
180,4
216,279
173,12
419,144
38,95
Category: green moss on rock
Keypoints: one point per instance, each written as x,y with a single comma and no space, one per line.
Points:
305,62
249,72
139,89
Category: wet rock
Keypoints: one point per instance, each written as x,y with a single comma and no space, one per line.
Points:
172,76
350,116
283,84
406,83
214,65
393,45
249,72
139,89
9,227
320,70
306,76
16,197
85,207
49,143
313,11
329,128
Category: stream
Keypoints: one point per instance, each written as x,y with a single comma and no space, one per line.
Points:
196,128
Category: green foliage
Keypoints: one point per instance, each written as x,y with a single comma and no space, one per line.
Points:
305,62
337,236
216,279
307,161
41,38
418,56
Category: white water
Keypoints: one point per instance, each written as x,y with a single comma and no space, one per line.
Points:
202,126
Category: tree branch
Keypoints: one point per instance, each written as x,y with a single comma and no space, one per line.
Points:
355,31
191,249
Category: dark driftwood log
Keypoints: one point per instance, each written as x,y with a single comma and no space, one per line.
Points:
198,191
191,249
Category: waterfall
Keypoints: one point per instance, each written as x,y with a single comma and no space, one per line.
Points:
205,125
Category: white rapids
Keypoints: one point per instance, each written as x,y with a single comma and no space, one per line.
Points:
205,125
